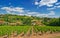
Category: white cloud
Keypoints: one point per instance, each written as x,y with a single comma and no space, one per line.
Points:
22,11
55,7
13,9
51,13
36,3
48,3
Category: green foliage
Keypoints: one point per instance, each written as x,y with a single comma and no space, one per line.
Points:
54,22
47,28
51,21
19,29
9,29
46,20
26,20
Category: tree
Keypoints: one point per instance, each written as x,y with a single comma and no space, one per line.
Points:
54,22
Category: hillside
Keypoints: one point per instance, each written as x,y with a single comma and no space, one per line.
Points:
9,19
17,20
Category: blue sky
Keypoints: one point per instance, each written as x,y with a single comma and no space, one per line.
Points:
41,8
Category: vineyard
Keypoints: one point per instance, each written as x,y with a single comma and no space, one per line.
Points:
10,29
15,26
44,29
27,30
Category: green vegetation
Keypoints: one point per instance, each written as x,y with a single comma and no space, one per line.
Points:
8,19
50,29
9,29
11,23
19,29
51,21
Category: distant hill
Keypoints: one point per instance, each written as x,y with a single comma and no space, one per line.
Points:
9,19
17,20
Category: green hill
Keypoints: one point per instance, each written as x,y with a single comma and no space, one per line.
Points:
9,19
17,20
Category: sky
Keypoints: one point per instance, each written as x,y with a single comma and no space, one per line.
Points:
39,8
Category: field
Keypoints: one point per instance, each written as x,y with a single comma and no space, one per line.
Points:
29,30
52,29
9,29
16,26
